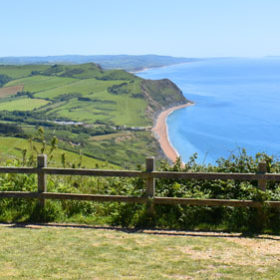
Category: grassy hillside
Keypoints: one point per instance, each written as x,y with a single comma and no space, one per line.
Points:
88,101
89,94
40,83
12,148
17,72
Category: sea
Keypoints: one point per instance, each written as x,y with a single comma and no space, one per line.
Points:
237,105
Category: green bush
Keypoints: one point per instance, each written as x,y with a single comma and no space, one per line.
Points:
225,218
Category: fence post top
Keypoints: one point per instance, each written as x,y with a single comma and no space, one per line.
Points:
150,158
42,160
41,155
262,167
150,163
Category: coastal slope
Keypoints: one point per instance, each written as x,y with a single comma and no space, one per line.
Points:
105,114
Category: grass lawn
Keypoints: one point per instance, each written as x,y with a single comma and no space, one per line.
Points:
35,252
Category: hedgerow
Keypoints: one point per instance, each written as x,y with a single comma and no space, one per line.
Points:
139,215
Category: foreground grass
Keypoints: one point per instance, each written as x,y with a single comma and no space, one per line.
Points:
91,253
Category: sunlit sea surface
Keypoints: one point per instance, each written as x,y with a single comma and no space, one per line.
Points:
237,105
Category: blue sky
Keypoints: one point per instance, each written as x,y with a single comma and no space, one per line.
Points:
189,28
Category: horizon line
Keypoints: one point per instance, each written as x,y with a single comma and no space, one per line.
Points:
151,54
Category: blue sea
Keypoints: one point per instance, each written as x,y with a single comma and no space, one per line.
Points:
237,105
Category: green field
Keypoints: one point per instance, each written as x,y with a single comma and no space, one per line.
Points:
85,87
36,252
133,111
23,104
41,83
17,72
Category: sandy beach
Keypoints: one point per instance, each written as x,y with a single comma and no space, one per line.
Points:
161,133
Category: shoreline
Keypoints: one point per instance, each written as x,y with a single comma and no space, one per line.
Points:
160,131
149,68
155,67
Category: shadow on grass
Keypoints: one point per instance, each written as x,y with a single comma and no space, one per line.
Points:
151,231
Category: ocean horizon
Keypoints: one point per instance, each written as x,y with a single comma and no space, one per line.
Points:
236,106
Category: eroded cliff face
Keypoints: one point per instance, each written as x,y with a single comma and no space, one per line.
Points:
161,94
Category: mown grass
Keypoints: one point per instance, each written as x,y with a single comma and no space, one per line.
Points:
36,252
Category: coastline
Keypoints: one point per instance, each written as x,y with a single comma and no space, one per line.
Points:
160,131
155,67
143,69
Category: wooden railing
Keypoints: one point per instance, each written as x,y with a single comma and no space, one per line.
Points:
149,175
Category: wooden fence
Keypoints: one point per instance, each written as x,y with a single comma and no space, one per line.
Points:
149,175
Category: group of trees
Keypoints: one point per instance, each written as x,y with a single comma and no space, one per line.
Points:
4,79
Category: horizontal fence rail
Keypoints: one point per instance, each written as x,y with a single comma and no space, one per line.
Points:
144,174
149,175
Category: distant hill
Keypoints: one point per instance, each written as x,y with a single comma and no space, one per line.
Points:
126,62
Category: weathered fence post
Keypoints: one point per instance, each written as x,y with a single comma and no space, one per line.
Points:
150,182
261,216
262,170
150,185
42,184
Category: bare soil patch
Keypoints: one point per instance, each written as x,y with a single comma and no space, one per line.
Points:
118,137
8,91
